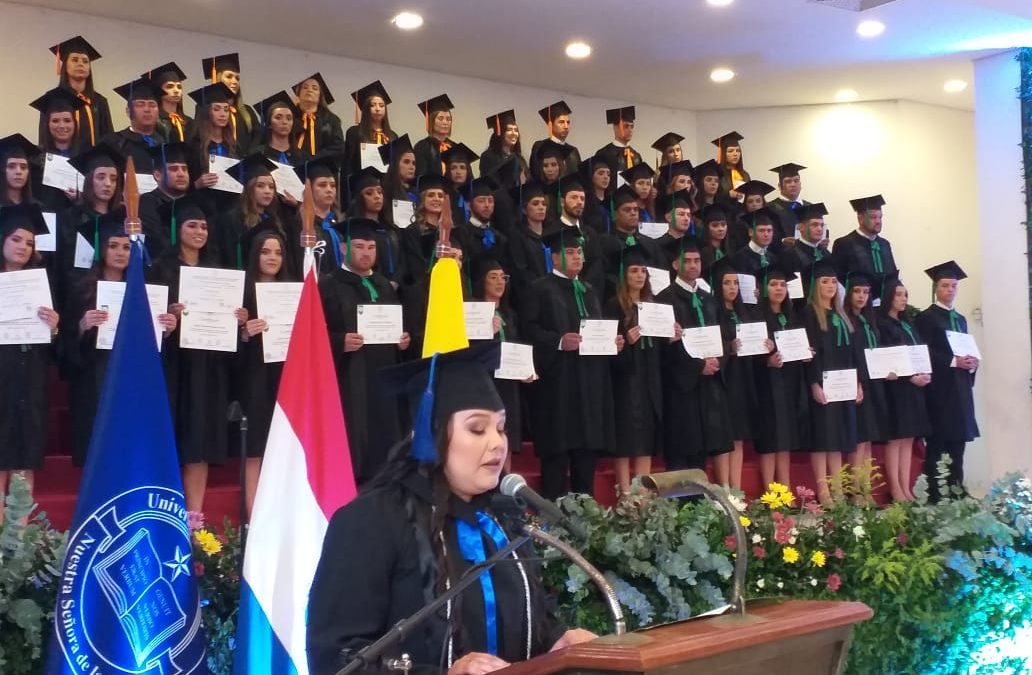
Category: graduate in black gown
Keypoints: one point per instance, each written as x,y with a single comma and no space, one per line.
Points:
530,256
24,373
322,172
75,58
696,420
548,167
423,522
676,177
712,235
503,144
399,185
708,176
157,212
438,117
320,131
788,202
782,393
244,124
754,194
832,337
732,163
172,121
17,155
557,118
618,153
213,137
908,412
258,207
143,132
669,148
809,247
639,180
372,124
367,201
756,257
371,414
636,372
598,197
951,405
280,118
676,210
864,249
57,109
624,233
458,162
572,404
485,240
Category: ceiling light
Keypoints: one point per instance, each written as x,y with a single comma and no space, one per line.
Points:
870,29
578,50
720,3
722,75
407,21
954,86
846,95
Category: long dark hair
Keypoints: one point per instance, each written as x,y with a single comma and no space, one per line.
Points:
202,134
867,312
89,91
497,143
35,260
768,313
254,254
249,213
365,124
392,181
87,197
26,191
737,306
46,141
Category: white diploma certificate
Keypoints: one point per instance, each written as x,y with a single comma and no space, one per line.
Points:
659,279
22,293
795,289
598,337
920,361
32,331
793,345
380,324
885,360
652,230
83,258
656,319
747,288
210,289
287,181
59,173
48,242
516,363
145,183
839,385
211,331
220,166
753,337
963,344
404,212
370,156
277,305
109,298
479,317
703,343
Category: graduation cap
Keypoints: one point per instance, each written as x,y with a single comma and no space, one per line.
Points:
323,166
360,180
682,199
457,153
728,140
322,87
550,148
75,45
708,168
507,173
561,238
499,121
216,92
667,140
396,148
811,211
432,106
189,207
821,268
169,72
141,89
946,270
637,172
788,170
18,146
429,181
557,109
441,385
588,166
571,182
521,194
58,99
101,155
676,248
372,89
280,99
755,187
112,224
357,228
485,265
169,153
865,204
714,213
618,115
254,165
24,216
484,186
213,65
624,195
856,278
630,253
762,216
779,271
675,169
720,268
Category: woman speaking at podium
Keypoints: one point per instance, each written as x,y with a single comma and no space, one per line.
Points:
424,521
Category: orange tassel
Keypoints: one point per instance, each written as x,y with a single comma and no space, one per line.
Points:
57,61
498,125
213,80
358,113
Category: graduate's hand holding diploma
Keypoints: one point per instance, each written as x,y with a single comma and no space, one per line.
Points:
353,342
405,341
168,323
711,366
570,342
921,379
91,319
255,326
633,335
818,394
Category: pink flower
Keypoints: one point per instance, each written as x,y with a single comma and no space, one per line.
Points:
198,568
902,538
759,552
729,542
834,582
804,492
781,535
839,554
813,507
777,516
194,520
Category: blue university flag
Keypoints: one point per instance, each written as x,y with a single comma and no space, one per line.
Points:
127,600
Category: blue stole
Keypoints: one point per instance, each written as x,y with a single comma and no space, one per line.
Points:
471,545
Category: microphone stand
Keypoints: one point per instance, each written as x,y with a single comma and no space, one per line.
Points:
235,413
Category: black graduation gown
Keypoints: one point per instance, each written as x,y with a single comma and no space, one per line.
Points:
371,415
247,126
390,261
428,155
907,404
951,404
255,383
637,390
486,243
872,415
594,272
216,202
833,426
510,390
852,253
491,160
596,214
737,233
787,219
747,261
157,230
709,256
530,261
572,402
608,250
291,155
696,420
782,400
616,157
353,150
173,132
737,373
328,133
197,380
132,144
573,160
64,275
100,112
361,591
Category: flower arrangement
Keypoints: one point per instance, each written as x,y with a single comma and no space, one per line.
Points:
218,561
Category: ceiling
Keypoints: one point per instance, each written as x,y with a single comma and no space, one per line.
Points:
785,52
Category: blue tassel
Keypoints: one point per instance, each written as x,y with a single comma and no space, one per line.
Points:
489,238
424,449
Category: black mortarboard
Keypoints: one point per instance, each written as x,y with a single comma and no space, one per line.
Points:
762,216
788,170
212,93
779,271
680,199
856,278
713,213
676,248
169,72
432,106
213,65
319,167
946,270
360,180
588,166
731,139
624,195
617,115
169,153
24,216
721,267
100,155
550,112
459,152
58,99
396,148
485,264
280,99
371,89
682,168
521,194
75,45
867,203
326,94
484,186
499,121
637,172
562,237
707,168
550,148
571,182
821,268
755,187
254,165
811,211
357,228
667,140
629,253
429,181
139,90
112,224
188,207
17,145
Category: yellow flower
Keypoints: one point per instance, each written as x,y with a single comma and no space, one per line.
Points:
790,555
818,559
771,499
208,541
777,487
744,520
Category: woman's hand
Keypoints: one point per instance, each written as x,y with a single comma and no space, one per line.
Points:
72,194
176,308
405,341
255,326
710,366
206,180
818,394
775,360
289,199
574,636
920,380
477,663
677,332
570,342
168,323
91,319
633,335
241,315
859,393
49,317
892,376
620,342
496,324
353,342
736,345
769,345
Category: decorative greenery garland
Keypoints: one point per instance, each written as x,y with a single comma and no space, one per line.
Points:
1024,57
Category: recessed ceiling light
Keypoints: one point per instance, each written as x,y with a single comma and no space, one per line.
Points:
578,50
720,3
870,29
954,86
846,95
722,75
407,21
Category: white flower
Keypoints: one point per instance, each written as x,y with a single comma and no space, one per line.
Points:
794,532
760,583
791,541
859,532
737,502
757,538
813,582
781,584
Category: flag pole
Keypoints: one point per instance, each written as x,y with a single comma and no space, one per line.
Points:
133,226
308,242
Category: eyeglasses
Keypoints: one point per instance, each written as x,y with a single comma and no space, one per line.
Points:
494,276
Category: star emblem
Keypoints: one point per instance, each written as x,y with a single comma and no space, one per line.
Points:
178,564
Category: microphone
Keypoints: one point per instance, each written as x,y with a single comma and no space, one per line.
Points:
515,485
235,412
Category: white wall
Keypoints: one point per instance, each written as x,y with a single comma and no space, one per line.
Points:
130,48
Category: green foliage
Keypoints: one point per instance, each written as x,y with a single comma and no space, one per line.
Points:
1025,96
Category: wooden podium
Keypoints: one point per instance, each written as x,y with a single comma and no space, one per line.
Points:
791,636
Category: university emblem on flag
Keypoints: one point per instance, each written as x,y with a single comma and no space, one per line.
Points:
118,608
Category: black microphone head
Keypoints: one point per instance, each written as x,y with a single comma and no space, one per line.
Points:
511,484
235,412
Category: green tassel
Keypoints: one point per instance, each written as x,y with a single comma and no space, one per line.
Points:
96,238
